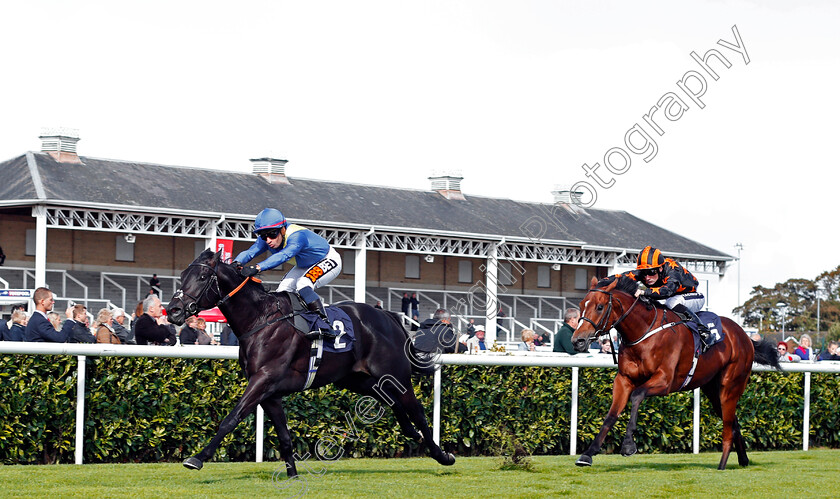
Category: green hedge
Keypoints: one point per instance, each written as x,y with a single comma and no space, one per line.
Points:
152,409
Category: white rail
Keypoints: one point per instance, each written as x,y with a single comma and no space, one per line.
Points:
529,359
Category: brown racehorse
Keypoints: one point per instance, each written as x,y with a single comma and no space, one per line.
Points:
655,361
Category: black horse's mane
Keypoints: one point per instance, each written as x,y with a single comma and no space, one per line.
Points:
264,295
625,283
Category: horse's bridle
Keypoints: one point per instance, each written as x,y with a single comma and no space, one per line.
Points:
602,327
192,307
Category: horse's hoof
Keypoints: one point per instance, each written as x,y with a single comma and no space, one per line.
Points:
448,459
628,450
584,460
193,463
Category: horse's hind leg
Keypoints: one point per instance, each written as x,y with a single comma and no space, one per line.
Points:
712,392
732,385
398,394
740,444
621,392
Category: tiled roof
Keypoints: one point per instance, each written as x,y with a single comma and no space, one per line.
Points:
129,185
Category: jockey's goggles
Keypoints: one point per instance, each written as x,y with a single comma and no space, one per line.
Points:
272,234
647,272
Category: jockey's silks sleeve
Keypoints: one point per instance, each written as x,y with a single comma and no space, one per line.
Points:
675,280
302,246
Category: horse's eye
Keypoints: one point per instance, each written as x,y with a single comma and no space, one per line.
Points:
599,307
202,277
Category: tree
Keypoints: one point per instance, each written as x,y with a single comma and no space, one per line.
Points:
800,299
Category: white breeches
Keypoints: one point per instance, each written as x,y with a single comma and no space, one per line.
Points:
692,301
316,276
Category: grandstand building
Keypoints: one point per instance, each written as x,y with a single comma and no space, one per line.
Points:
95,230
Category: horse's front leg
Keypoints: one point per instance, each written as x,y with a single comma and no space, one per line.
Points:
274,407
657,385
621,391
259,387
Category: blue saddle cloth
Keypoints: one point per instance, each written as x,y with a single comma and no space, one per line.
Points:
339,322
712,321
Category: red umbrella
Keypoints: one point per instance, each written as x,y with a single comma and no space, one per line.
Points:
212,315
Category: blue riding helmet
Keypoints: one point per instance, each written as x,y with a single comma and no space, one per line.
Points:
269,218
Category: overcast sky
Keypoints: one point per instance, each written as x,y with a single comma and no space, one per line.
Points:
514,95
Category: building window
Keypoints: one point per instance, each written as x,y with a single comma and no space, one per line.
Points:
348,262
30,242
412,266
465,271
580,279
125,250
505,274
543,276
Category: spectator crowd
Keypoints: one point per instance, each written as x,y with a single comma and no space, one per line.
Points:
146,326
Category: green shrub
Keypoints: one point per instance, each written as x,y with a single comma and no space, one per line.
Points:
153,409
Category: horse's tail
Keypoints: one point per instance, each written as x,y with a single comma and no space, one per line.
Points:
765,354
425,360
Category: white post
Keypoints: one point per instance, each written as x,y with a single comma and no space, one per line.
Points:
696,421
436,407
361,270
260,417
210,237
491,307
573,429
40,214
807,415
80,410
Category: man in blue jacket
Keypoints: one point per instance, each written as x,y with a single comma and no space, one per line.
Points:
16,331
39,327
315,262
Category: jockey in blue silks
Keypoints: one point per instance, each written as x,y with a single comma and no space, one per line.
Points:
315,262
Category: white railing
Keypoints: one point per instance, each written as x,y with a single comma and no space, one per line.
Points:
539,359
102,278
523,359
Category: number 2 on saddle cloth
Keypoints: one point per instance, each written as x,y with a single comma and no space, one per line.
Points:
339,322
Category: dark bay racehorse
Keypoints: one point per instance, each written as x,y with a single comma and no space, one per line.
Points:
275,356
655,361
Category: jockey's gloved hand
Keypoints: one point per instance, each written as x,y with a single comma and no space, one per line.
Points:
250,270
236,265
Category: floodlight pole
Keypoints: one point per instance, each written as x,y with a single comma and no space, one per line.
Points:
739,247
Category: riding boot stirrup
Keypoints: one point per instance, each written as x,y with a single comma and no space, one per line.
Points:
702,329
317,307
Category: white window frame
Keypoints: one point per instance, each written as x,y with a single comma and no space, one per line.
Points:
465,270
412,266
543,276
348,262
124,250
580,278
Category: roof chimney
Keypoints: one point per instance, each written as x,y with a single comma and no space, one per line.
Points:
60,143
447,185
271,169
564,195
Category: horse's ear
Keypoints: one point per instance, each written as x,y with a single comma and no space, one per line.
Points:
217,257
593,283
611,286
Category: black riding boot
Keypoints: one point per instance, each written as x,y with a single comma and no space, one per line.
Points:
702,329
317,306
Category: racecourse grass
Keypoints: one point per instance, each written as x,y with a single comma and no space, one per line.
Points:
787,475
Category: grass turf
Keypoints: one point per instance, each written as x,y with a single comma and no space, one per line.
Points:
770,474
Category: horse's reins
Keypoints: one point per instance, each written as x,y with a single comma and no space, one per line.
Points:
192,308
601,328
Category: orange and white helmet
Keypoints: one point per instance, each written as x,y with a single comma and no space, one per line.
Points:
650,258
